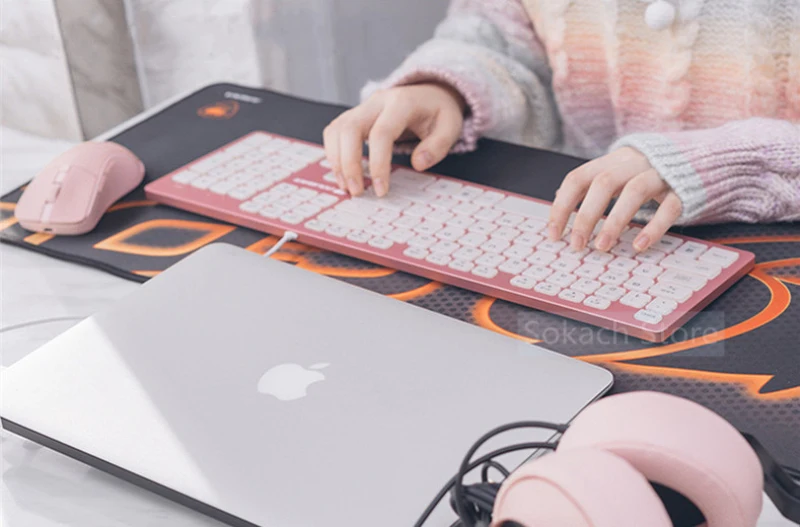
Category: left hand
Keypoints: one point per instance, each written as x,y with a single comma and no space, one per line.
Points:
625,173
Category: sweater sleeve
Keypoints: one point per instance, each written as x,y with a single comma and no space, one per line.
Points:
489,52
746,171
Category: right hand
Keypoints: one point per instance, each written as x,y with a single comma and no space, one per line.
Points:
432,113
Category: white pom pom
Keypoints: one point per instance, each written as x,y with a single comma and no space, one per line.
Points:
660,15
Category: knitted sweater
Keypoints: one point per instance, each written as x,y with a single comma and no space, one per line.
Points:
713,100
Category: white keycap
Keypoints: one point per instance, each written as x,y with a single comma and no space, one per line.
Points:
417,253
623,264
587,286
553,247
330,177
519,252
261,183
418,211
624,249
651,256
422,241
473,239
589,270
538,273
513,266
203,182
704,269
344,219
596,302
509,220
667,243
384,216
468,193
662,306
506,233
691,249
466,209
185,176
677,277
495,246
267,198
445,187
639,284
288,202
541,258
571,253
490,260
546,288
419,197
276,174
467,253
338,231
256,140
271,212
209,163
359,237
529,239
610,292
242,193
648,271
325,164
565,265
648,317
524,207
562,279
316,225
523,282
440,216
461,265
451,234
721,257
635,299
284,188
487,214
395,203
484,272
295,165
532,226
410,178
428,227
630,234
379,229
597,257
444,203
306,193
489,198
251,206
400,235
380,242
460,222
483,227
671,291
307,210
571,295
407,222
613,277
439,259
445,248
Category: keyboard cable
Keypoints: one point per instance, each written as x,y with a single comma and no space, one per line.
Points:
288,236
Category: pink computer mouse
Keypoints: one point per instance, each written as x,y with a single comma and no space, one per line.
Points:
72,193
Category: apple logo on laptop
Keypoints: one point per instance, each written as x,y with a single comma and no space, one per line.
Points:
288,382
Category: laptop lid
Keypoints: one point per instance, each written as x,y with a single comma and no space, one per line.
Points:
263,394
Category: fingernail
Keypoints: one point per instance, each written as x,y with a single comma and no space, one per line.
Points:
642,242
380,187
552,232
340,180
578,241
425,158
603,242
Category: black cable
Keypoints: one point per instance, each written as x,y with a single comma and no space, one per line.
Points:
495,465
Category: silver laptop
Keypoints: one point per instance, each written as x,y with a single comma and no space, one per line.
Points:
262,394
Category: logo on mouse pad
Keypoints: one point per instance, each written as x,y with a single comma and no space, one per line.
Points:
288,382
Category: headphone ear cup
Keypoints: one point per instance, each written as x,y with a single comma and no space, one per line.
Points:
579,488
681,445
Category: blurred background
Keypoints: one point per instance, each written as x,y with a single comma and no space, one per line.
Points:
71,69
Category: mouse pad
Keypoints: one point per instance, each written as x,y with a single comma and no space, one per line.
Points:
740,357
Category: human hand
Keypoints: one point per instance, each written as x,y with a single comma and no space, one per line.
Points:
627,174
431,112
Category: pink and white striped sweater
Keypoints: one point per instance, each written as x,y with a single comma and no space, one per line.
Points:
713,100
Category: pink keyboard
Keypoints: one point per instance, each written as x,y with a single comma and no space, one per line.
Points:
462,234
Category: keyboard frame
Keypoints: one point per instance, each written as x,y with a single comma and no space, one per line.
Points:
221,207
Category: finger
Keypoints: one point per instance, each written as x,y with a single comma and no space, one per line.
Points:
388,127
636,193
351,148
665,217
330,137
437,141
602,189
573,189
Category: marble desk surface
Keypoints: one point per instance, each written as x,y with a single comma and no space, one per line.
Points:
41,488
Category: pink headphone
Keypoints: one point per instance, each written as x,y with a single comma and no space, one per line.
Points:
602,471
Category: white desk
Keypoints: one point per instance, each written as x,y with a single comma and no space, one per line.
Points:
41,488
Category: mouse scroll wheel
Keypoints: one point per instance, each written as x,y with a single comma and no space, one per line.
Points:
52,193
